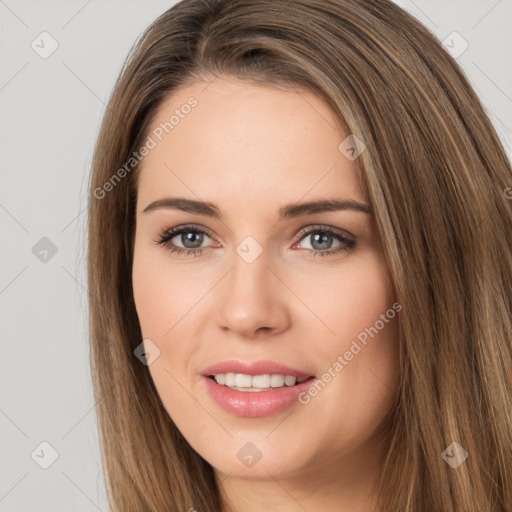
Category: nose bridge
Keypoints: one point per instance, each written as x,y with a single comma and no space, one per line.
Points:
250,277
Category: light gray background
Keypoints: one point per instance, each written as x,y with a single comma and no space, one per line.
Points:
50,111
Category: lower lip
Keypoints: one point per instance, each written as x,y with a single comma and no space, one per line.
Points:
255,404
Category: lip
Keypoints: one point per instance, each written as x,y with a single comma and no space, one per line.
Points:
254,404
253,368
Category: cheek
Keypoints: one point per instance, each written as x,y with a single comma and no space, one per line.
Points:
158,297
164,300
371,320
350,301
161,296
151,306
360,357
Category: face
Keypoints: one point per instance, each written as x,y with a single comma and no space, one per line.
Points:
234,278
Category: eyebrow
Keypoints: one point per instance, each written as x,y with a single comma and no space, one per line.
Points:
288,211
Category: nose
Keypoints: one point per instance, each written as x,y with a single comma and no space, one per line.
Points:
252,300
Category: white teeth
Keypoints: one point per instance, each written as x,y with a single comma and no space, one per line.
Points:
277,381
243,381
261,381
289,380
266,382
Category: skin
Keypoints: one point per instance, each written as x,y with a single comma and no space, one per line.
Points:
250,149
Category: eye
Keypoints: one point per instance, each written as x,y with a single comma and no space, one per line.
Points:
322,238
189,236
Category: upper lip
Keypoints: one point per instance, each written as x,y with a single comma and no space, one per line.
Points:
253,368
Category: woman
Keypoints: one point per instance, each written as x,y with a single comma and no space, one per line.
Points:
300,267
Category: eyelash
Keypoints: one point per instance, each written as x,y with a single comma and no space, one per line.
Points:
167,235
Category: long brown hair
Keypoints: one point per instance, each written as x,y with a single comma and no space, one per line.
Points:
436,175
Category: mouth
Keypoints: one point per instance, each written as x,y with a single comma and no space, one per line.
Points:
255,389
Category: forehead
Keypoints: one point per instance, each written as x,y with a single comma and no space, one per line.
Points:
230,139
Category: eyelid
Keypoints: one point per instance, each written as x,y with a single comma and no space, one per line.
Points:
172,232
323,227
